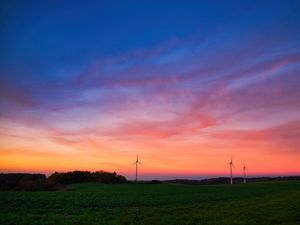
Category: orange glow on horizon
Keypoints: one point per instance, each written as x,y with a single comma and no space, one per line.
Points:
161,158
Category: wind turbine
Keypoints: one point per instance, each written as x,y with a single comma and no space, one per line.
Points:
244,169
231,165
137,162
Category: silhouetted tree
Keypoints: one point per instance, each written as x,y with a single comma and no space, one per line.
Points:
86,176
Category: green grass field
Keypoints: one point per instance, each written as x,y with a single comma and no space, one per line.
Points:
253,203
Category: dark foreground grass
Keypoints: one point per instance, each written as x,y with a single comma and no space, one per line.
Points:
253,203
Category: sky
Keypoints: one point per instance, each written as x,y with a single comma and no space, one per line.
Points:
186,85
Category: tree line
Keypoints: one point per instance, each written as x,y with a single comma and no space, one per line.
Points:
86,176
56,181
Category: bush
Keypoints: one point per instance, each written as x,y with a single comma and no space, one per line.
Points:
22,182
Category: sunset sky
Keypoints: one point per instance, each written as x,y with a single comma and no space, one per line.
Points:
184,84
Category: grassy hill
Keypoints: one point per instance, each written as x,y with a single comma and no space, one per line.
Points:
258,203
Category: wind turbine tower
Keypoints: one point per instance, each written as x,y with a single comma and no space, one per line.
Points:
137,162
244,169
230,165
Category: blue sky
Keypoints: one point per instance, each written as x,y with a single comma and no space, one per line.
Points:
104,80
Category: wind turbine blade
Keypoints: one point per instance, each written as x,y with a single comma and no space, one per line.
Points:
133,163
140,163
